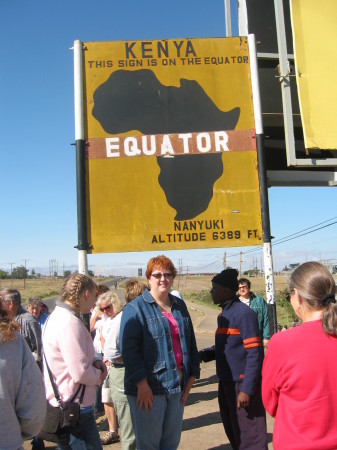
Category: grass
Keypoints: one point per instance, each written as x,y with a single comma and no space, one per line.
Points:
193,288
39,287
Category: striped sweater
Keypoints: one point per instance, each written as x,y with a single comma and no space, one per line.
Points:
238,349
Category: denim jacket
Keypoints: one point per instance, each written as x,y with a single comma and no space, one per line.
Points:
147,348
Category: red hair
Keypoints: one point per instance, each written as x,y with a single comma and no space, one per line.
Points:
160,262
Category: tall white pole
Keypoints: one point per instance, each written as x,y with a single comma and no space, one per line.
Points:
80,172
228,18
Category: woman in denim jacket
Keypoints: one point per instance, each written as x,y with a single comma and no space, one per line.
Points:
161,359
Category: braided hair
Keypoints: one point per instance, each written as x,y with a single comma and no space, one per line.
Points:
73,288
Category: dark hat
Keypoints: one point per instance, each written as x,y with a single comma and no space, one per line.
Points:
227,278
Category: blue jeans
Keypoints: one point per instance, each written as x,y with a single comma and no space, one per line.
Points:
83,437
159,428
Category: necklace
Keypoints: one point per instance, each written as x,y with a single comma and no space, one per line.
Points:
165,308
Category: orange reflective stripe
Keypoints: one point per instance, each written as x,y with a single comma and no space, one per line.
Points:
228,331
253,339
252,342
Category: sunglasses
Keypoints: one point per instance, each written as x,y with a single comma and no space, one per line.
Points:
105,308
158,276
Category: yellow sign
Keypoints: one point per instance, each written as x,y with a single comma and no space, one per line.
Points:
171,151
315,35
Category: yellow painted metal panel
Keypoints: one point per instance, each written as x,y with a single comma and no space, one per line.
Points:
192,100
315,36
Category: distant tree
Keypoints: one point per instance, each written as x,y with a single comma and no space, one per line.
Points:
293,266
66,273
91,273
20,272
3,274
252,272
32,273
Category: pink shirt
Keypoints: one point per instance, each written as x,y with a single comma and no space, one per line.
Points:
174,331
299,388
70,354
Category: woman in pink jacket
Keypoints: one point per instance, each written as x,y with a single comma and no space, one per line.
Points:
70,354
300,367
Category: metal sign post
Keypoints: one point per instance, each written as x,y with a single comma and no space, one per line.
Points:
267,248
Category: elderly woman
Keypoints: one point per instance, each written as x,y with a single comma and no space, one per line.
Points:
33,306
300,367
109,305
161,359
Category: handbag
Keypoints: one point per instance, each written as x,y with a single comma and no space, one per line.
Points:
60,419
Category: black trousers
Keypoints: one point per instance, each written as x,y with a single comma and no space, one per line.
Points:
246,428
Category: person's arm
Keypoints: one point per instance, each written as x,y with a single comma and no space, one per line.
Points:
131,344
30,403
145,395
73,341
94,318
249,330
271,376
194,360
33,330
187,389
193,351
207,354
266,333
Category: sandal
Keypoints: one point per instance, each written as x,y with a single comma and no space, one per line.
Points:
111,437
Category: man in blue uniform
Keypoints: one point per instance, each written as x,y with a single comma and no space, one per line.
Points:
238,353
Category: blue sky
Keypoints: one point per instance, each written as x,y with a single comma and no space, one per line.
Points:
38,202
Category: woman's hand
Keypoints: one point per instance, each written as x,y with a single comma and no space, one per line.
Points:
243,400
187,390
145,395
102,367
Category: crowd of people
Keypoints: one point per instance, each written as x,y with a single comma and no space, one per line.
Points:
139,359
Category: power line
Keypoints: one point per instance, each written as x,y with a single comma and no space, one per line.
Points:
290,237
303,234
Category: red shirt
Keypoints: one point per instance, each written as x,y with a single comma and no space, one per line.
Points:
299,388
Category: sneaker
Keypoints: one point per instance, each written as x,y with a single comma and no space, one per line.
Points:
111,437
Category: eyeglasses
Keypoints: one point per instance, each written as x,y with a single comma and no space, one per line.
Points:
158,276
243,287
104,308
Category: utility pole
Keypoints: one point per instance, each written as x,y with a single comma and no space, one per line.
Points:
240,264
24,275
224,261
11,264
